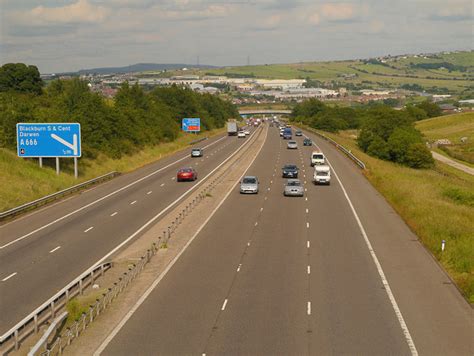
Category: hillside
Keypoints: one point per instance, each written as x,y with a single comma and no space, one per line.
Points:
453,128
142,67
438,74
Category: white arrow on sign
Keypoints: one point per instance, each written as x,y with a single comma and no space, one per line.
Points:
72,146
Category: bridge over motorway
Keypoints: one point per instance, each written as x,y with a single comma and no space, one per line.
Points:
265,112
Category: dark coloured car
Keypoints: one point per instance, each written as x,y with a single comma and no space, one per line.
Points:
287,134
186,174
290,171
307,142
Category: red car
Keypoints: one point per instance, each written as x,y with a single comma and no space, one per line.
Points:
186,174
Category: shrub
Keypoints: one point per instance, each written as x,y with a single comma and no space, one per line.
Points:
418,156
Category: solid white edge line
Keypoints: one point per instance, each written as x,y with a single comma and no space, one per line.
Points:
163,274
224,304
102,198
8,277
55,249
391,297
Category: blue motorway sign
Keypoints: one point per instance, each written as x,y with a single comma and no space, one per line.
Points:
48,139
192,124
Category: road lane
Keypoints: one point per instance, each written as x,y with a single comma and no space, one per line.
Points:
255,295
438,317
85,237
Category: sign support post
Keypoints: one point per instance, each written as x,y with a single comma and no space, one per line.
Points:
75,168
57,165
41,162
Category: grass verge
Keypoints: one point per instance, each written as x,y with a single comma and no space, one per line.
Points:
22,181
437,204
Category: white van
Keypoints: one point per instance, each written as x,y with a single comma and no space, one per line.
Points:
317,158
322,175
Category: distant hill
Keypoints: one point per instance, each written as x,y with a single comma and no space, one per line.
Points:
142,67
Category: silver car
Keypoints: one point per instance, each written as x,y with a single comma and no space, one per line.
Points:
293,188
249,185
292,145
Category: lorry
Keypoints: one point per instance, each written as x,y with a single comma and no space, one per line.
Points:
322,175
232,128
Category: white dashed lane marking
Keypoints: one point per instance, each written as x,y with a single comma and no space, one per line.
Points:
8,277
113,214
308,308
238,268
307,225
89,229
148,193
307,211
224,305
55,249
309,270
307,244
133,202
162,184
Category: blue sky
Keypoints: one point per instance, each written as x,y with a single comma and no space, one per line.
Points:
62,36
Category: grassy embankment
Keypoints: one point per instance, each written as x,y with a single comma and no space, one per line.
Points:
22,180
437,204
452,127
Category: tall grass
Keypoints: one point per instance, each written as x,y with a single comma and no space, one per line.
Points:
437,204
21,180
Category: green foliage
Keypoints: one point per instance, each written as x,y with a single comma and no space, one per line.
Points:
21,78
316,114
136,119
390,135
459,196
416,112
431,109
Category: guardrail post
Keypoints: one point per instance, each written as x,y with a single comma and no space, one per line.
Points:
91,314
35,318
92,277
67,294
102,268
80,287
17,343
52,309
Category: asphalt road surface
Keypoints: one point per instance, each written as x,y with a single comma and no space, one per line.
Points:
41,252
335,272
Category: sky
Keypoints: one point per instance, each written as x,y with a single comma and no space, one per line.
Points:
59,36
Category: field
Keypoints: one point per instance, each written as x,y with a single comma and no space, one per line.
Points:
452,127
356,73
437,204
22,181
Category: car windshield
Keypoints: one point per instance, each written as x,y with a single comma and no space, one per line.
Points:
318,156
289,167
292,143
322,173
294,183
196,150
249,181
186,170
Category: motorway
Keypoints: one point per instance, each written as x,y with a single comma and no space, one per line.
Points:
41,252
334,272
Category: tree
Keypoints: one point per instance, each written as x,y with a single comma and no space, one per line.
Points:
431,109
399,141
419,156
378,148
416,113
20,78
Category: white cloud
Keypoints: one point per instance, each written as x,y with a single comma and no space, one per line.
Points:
338,12
79,12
